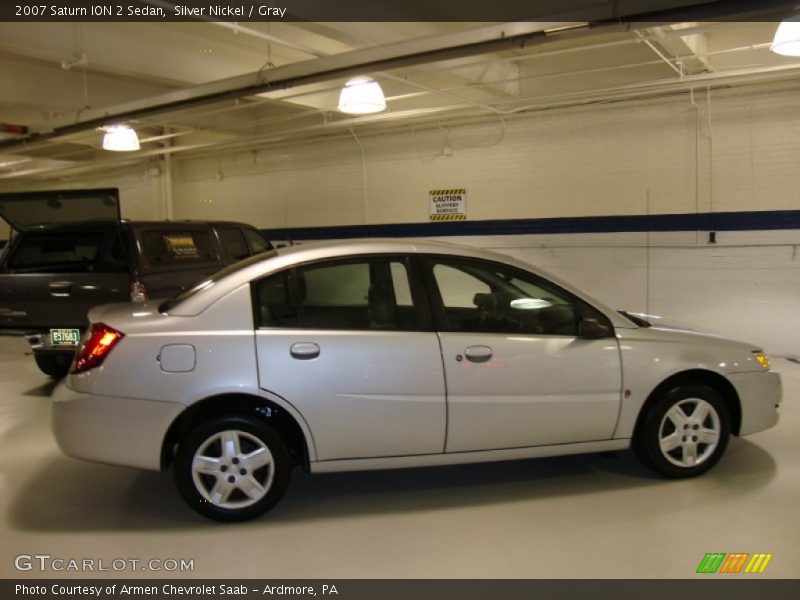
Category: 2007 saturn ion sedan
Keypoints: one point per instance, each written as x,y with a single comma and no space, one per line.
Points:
386,354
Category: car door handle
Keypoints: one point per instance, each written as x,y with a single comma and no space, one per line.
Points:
478,353
304,350
60,288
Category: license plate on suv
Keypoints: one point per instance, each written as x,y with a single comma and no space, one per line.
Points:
65,337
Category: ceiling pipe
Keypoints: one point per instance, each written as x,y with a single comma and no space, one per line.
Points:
562,101
493,38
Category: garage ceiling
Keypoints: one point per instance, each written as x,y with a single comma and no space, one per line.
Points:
62,79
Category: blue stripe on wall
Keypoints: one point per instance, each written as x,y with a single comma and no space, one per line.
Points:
724,221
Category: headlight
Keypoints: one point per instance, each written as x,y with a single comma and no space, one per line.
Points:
763,360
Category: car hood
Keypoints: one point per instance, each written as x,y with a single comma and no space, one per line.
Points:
673,330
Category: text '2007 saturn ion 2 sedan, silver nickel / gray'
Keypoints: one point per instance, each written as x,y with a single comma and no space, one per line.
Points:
392,353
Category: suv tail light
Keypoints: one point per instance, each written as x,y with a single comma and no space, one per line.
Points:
96,347
138,292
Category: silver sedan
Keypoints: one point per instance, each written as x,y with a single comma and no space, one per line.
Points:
388,354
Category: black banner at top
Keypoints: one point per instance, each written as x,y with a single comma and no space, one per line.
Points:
396,10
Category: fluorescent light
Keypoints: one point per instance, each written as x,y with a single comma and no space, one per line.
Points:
120,138
361,96
787,38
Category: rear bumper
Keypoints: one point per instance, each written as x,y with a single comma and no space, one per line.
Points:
760,395
112,430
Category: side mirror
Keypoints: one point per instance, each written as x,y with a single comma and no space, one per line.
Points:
590,327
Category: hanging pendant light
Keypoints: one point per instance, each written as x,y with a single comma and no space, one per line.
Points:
120,138
787,38
361,96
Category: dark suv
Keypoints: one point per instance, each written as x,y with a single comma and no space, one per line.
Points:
71,252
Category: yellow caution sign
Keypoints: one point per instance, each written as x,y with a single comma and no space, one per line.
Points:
448,204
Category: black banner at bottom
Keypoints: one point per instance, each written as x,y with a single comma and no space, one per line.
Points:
729,588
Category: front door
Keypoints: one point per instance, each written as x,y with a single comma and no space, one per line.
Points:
341,341
517,372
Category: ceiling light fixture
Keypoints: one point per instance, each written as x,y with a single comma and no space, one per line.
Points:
787,38
120,138
361,96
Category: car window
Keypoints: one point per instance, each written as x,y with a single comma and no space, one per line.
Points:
113,258
373,293
75,251
258,243
176,247
233,242
485,297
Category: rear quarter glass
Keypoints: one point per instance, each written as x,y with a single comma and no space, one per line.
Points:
176,247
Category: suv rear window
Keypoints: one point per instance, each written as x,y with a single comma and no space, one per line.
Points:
233,243
74,250
175,247
258,243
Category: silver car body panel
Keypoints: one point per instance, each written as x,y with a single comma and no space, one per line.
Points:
359,406
111,429
532,391
651,355
367,393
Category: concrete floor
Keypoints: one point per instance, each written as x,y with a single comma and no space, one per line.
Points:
581,516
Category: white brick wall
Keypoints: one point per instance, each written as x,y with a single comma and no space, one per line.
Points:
737,153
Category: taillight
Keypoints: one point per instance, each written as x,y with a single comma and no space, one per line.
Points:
96,347
138,292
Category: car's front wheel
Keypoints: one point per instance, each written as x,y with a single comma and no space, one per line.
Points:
684,432
232,468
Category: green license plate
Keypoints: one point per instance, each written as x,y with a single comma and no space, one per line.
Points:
65,337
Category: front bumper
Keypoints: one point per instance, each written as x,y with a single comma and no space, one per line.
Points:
109,429
760,394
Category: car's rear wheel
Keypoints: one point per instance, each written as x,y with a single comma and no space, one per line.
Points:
684,432
232,468
53,365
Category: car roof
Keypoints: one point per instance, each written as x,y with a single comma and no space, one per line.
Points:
255,267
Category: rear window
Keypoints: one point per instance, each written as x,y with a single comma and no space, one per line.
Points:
74,250
175,247
233,243
257,242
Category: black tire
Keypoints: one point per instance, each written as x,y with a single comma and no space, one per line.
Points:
229,476
655,427
53,365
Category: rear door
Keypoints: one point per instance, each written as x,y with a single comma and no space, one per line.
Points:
344,341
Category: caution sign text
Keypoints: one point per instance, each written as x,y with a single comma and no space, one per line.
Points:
448,204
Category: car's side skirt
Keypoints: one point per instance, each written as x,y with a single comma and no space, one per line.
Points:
456,458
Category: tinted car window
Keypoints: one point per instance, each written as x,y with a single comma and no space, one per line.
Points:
356,295
258,243
505,301
74,250
233,242
175,247
113,258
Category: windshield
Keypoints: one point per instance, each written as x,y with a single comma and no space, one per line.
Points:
206,283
